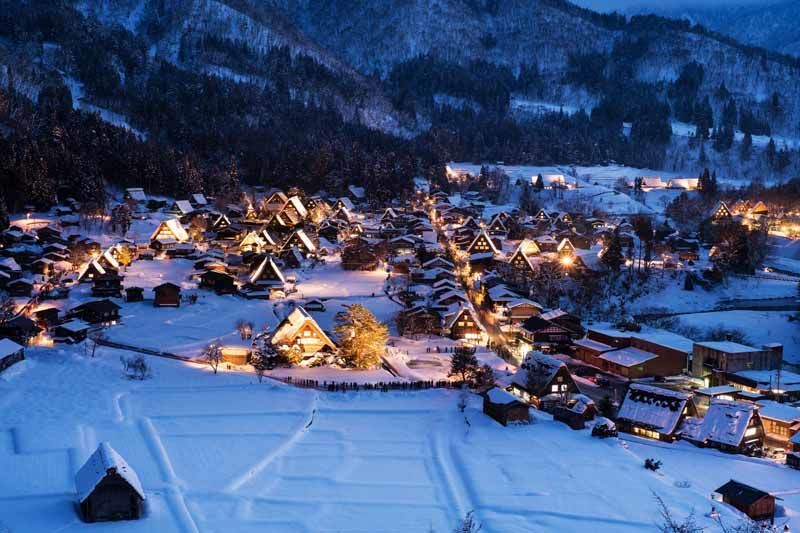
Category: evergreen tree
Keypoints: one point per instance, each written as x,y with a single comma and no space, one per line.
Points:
612,255
688,282
362,338
463,363
3,214
746,149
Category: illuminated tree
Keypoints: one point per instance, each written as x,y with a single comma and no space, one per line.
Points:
362,338
212,355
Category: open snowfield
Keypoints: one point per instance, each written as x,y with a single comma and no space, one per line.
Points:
760,327
220,453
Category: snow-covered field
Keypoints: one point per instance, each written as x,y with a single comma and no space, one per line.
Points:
219,453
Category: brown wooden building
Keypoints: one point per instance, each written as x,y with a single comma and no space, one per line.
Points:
505,407
755,503
108,488
167,295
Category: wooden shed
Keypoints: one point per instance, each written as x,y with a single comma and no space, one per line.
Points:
10,353
505,407
755,503
167,295
108,489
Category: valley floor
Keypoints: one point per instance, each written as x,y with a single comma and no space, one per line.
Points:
220,453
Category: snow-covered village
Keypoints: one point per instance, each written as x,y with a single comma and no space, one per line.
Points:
278,360
435,266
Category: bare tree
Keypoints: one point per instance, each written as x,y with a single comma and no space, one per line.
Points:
670,524
7,308
135,367
245,329
468,524
93,341
212,355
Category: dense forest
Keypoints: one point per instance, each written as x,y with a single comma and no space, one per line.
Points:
290,121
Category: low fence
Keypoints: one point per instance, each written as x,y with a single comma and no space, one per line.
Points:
343,386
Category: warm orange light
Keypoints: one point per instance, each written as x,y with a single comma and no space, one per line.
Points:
567,260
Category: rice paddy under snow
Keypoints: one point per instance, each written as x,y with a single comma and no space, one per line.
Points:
224,453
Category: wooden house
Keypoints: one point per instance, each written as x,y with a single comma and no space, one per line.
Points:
266,276
755,503
420,320
301,330
219,223
134,294
106,285
46,317
167,295
542,377
721,213
504,407
275,201
71,331
728,425
10,353
198,201
20,328
540,331
482,244
654,412
300,240
464,324
108,488
315,305
219,282
168,233
20,288
96,312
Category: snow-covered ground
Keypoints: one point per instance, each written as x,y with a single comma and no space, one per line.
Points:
224,453
760,327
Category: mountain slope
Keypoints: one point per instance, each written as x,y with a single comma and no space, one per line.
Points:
379,34
772,26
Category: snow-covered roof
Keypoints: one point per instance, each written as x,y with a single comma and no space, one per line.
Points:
502,397
305,240
105,460
654,407
9,263
728,346
555,313
199,199
289,327
347,203
358,192
725,422
297,203
137,193
453,317
593,345
716,391
175,227
628,357
267,263
184,206
779,411
8,347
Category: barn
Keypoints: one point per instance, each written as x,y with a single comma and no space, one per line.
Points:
505,407
10,353
167,295
108,488
755,503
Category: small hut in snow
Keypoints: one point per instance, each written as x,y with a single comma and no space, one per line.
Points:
108,489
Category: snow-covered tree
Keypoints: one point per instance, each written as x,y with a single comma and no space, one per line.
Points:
362,338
